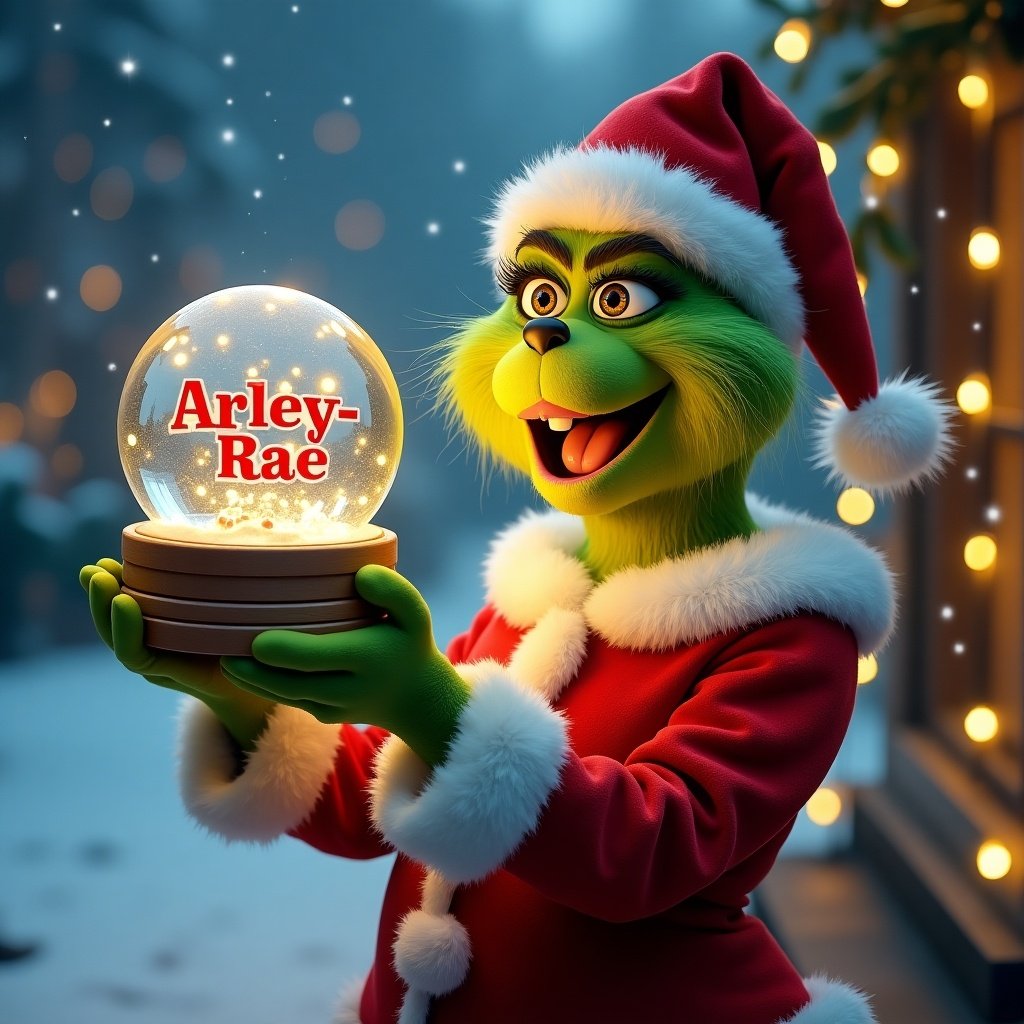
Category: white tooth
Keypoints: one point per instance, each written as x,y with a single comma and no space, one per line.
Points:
559,424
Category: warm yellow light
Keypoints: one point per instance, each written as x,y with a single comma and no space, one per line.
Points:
895,3
285,387
867,669
328,384
824,807
994,860
296,372
53,394
883,159
981,724
201,491
983,249
223,340
829,160
180,358
973,91
132,440
973,396
855,506
980,552
793,41
382,460
862,283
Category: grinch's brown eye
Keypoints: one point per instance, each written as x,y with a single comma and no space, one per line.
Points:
543,297
620,299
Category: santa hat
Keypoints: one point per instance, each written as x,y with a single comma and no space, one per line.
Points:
718,169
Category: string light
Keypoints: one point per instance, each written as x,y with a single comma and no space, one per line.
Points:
983,249
824,807
883,159
981,724
994,860
867,669
980,552
855,506
793,41
829,160
973,91
973,395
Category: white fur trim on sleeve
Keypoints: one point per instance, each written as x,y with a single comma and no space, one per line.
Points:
832,1002
531,567
606,189
281,782
899,438
468,817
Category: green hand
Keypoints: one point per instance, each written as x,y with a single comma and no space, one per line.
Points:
118,620
391,674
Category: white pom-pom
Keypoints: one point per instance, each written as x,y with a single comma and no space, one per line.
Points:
899,438
431,952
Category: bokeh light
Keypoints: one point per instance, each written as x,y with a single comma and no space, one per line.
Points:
973,91
793,41
73,157
973,395
883,159
829,160
100,287
824,807
867,669
12,423
359,224
980,552
855,506
111,193
336,131
983,250
53,394
981,724
994,860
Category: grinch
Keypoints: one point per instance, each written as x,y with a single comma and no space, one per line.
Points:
584,789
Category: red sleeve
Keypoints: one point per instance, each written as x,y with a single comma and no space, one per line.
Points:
341,822
459,648
730,769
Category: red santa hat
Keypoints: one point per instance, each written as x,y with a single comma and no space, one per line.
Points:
717,168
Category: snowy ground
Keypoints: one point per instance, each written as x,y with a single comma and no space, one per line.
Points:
142,917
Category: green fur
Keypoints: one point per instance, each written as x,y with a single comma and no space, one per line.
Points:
681,485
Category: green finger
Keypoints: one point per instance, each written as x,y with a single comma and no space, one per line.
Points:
113,567
126,630
396,595
308,652
86,574
276,683
103,589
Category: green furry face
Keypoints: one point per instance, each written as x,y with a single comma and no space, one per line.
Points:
703,386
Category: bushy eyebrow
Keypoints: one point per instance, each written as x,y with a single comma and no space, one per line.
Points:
627,245
547,243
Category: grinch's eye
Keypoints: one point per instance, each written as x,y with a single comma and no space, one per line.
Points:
621,299
542,297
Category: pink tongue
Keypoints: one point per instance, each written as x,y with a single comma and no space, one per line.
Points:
589,446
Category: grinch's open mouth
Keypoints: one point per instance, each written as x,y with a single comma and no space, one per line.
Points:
571,445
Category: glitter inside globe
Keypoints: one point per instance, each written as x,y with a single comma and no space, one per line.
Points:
260,415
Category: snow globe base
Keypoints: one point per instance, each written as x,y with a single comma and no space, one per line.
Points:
214,598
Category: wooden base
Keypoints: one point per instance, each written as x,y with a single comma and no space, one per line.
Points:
216,598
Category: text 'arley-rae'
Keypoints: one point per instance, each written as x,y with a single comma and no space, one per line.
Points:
240,457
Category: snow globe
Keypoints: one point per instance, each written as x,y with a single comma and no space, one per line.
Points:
260,429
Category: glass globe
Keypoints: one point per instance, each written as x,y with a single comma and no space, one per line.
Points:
260,415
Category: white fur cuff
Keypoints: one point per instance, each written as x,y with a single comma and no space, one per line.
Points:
468,816
832,1002
281,783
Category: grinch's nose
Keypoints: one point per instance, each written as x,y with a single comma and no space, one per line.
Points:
545,332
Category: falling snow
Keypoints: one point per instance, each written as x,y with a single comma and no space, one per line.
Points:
941,213
111,367
433,228
346,101
228,135
257,193
128,67
971,473
51,294
459,166
228,60
947,612
154,257
993,513
106,122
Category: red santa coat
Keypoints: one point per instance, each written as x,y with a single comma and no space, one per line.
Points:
631,760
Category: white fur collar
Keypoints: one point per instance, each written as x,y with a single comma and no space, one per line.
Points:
794,564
